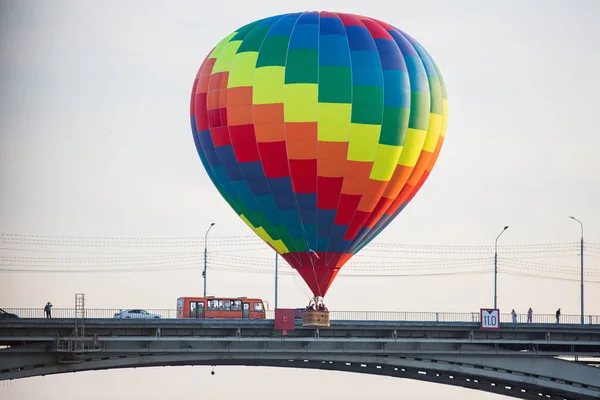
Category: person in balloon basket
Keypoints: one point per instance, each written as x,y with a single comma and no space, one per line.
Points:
48,310
310,306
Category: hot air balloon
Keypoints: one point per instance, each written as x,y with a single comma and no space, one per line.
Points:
318,128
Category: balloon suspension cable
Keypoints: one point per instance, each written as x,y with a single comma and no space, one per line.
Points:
312,262
317,280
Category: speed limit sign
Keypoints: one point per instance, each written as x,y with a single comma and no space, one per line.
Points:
489,318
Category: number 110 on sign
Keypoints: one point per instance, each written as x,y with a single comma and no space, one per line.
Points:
489,318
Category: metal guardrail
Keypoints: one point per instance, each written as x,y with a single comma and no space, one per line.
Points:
431,317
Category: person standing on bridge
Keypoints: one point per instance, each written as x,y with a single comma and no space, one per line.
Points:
558,316
514,316
529,315
48,310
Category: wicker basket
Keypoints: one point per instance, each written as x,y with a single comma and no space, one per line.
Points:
315,319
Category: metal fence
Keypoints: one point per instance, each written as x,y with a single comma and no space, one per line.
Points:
399,316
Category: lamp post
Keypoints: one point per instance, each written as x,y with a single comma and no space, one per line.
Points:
496,267
205,254
581,250
276,278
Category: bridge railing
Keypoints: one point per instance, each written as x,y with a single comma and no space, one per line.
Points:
403,316
409,316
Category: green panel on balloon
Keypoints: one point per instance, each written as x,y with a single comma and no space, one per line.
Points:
367,104
302,66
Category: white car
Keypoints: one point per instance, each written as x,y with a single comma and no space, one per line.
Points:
135,314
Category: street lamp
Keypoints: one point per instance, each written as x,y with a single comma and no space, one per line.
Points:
581,250
276,278
205,253
496,267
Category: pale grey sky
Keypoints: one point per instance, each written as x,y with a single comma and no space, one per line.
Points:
95,141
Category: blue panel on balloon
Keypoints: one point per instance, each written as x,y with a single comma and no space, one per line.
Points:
268,207
325,220
229,162
281,188
243,191
292,223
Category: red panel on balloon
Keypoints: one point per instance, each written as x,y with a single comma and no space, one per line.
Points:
223,116
274,159
376,30
328,192
304,175
328,14
346,208
406,191
201,115
193,98
385,25
244,143
214,118
360,217
380,209
349,20
313,270
220,136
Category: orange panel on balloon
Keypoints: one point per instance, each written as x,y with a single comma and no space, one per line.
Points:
239,96
356,177
331,159
268,123
301,138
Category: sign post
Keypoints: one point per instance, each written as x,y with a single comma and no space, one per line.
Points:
489,318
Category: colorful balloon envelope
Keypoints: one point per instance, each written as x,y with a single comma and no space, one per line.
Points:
318,128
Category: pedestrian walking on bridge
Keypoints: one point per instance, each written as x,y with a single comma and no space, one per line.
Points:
558,316
48,310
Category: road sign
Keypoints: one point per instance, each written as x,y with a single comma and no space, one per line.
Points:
284,319
489,318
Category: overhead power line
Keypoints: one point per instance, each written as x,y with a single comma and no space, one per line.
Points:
8,239
37,253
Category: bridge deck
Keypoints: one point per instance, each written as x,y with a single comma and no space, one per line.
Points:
520,360
559,339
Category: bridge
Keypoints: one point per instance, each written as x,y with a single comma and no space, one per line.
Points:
549,360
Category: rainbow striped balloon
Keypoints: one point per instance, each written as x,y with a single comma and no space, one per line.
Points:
318,128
